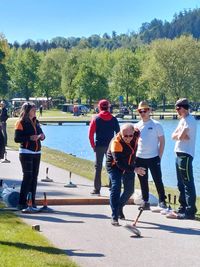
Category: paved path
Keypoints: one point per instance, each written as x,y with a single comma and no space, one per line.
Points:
84,232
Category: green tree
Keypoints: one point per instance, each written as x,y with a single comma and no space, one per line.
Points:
90,84
3,76
49,74
58,55
69,72
125,74
23,66
3,70
172,68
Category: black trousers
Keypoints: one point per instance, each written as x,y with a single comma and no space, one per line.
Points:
30,167
100,152
152,164
186,186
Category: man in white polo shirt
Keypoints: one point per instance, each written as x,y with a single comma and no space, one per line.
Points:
185,137
149,153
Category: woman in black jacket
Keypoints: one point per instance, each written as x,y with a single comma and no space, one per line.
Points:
3,118
2,145
29,134
120,165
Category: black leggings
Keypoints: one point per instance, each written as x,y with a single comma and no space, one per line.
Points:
30,168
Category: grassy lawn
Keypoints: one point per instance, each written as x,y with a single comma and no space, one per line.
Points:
21,246
55,114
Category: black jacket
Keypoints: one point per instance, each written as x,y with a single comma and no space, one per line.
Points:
23,131
122,155
4,115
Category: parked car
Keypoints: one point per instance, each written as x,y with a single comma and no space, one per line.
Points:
80,110
83,110
124,111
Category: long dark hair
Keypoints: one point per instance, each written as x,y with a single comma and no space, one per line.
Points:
25,109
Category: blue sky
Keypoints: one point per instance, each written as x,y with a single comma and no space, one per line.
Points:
44,19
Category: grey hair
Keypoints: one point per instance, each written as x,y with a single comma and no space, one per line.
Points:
127,126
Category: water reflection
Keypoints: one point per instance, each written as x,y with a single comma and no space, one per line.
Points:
73,139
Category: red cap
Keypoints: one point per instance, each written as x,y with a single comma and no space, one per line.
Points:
103,104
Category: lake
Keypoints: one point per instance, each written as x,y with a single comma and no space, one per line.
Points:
73,139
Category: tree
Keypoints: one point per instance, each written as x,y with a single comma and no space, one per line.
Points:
69,72
61,42
4,49
172,68
125,74
49,78
22,66
90,84
3,76
58,55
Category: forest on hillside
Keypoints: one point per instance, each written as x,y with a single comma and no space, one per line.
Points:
187,22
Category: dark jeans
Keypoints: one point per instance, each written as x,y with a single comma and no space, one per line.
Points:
184,171
118,200
99,155
30,168
152,164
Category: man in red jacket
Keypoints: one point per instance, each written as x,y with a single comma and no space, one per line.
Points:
103,127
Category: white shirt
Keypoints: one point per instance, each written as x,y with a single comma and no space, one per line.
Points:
187,146
148,143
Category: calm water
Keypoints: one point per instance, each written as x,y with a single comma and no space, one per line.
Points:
73,139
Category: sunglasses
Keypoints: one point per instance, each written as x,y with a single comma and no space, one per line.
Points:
128,135
143,111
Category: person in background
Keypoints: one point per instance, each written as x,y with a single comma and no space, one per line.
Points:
29,134
103,126
41,110
185,137
120,165
149,154
2,145
3,118
75,110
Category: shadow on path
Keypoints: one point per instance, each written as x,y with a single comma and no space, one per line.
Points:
47,218
169,228
20,245
82,215
72,252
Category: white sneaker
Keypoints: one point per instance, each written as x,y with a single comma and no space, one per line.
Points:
156,209
172,215
166,211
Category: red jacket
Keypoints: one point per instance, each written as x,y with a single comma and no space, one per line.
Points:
102,129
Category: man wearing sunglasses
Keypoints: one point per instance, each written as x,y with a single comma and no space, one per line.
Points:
185,137
150,150
120,165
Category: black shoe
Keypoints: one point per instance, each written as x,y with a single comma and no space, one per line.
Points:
114,222
95,192
121,215
145,206
21,207
181,210
182,216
